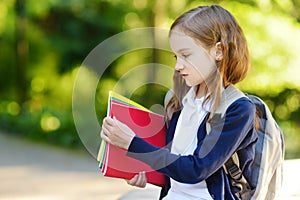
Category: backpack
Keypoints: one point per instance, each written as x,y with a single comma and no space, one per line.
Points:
267,167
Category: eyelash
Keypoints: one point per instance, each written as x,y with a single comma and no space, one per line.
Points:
184,56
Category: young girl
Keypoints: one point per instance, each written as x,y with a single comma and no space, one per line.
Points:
211,55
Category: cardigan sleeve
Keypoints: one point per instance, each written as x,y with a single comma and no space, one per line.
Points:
238,123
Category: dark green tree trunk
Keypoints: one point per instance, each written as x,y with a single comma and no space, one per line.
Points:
21,51
157,16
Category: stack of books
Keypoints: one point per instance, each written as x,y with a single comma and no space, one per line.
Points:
113,161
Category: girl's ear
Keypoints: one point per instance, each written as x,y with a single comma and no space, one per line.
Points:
218,51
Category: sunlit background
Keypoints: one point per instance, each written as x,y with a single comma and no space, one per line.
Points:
43,43
42,46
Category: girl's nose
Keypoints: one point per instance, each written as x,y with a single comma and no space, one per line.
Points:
179,66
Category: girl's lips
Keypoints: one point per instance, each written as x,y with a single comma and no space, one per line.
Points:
184,75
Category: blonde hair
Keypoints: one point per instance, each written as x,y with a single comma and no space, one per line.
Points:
209,25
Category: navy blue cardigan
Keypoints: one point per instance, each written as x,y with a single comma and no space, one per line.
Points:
238,135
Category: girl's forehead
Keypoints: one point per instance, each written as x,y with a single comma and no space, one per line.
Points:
178,32
179,36
180,40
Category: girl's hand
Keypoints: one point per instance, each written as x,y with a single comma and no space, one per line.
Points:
116,133
139,180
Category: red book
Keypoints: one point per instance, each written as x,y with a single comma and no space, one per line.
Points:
148,126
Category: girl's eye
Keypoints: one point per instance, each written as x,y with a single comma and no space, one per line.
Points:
185,55
182,56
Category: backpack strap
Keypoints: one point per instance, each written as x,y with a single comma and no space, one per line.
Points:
231,167
229,95
241,187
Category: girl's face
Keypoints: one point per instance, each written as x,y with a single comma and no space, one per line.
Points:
193,62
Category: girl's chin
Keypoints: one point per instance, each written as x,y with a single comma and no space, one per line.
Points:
190,84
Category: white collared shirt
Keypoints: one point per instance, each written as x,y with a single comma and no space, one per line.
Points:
183,191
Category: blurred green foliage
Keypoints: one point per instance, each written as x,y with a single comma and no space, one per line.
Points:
42,45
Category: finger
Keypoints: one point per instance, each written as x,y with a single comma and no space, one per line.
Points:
118,124
115,120
102,134
107,128
105,123
105,131
105,137
133,180
141,181
144,179
109,121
